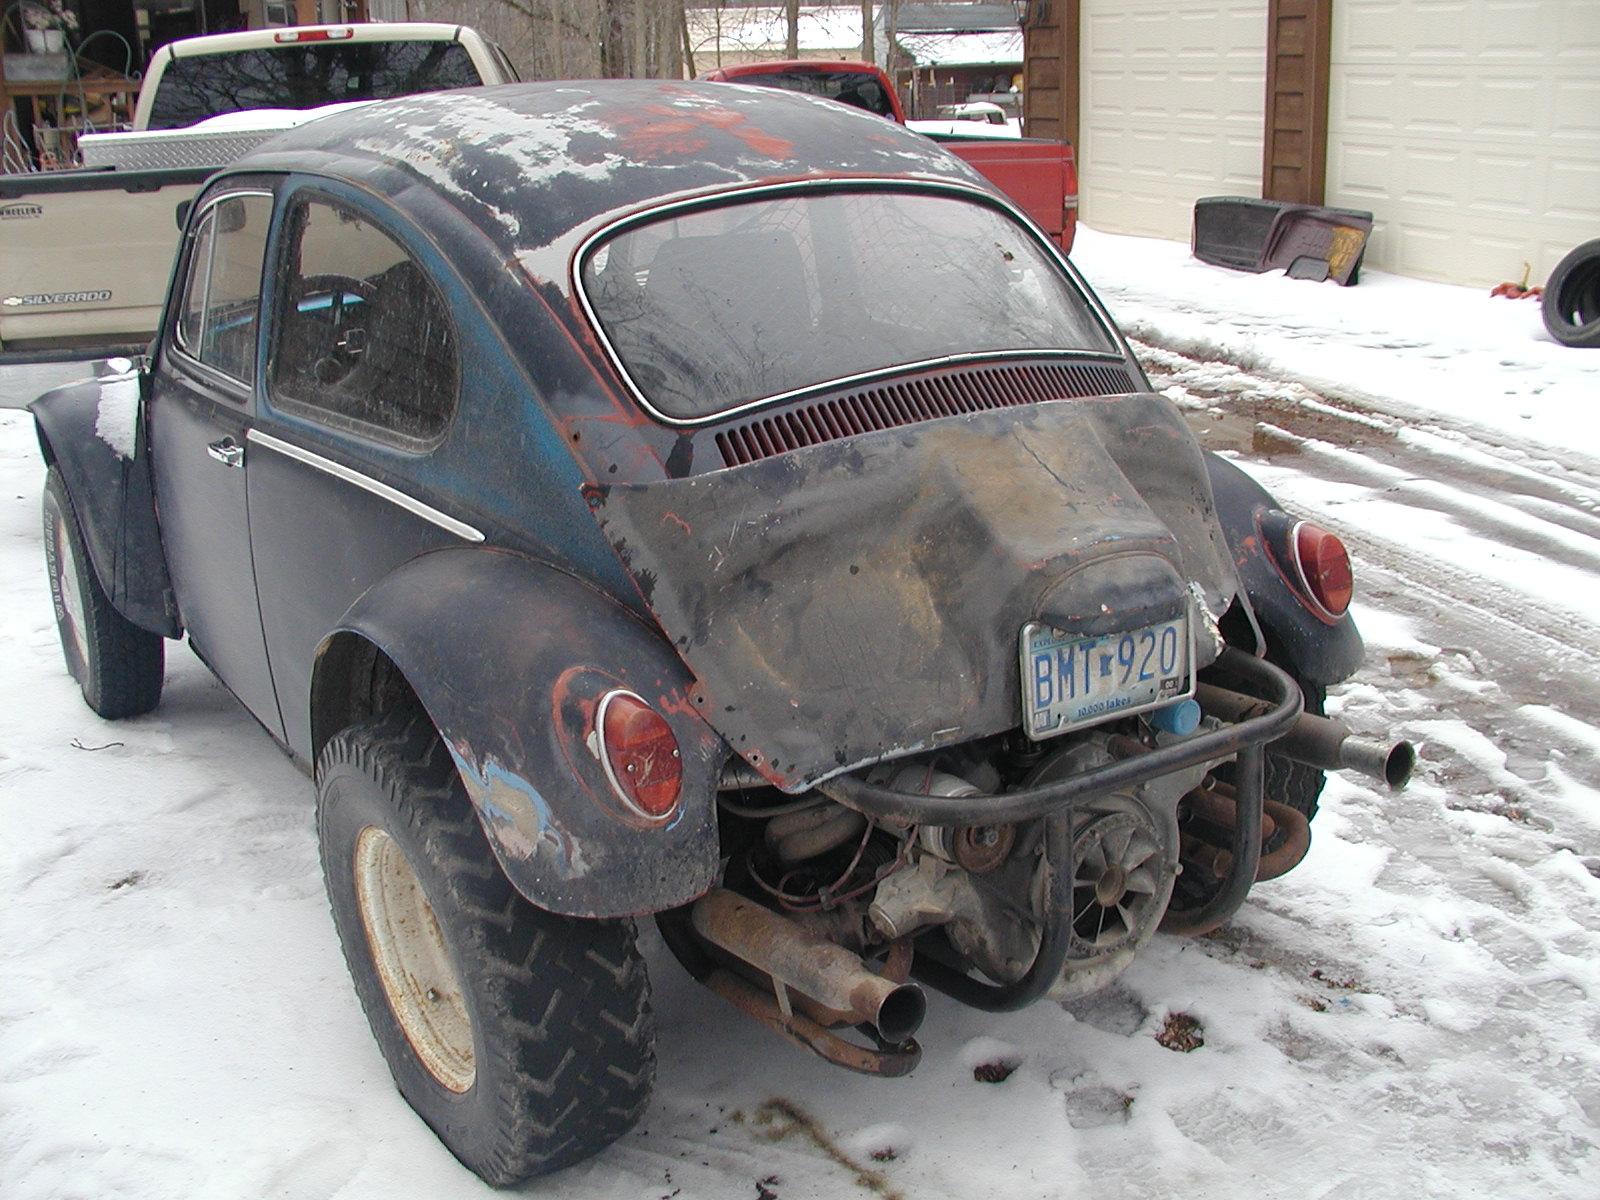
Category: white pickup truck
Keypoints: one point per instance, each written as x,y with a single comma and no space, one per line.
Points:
85,255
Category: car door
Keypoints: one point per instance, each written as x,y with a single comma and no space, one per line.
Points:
201,407
361,381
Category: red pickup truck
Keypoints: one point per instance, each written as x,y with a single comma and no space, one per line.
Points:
1041,176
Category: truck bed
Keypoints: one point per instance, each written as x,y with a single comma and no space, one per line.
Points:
1039,175
85,258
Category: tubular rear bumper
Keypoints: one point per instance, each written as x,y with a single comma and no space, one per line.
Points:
1278,689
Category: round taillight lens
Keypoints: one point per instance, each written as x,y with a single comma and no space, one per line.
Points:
640,755
1324,567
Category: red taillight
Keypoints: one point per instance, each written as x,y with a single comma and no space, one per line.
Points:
1324,566
640,755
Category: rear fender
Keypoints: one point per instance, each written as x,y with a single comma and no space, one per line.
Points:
1317,649
510,658
94,432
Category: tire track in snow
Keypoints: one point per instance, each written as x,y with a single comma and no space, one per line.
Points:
1563,623
1532,618
1492,493
1461,452
1208,355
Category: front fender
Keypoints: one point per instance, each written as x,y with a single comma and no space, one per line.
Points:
94,433
510,658
1316,649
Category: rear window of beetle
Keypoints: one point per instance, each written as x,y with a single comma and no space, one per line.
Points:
718,308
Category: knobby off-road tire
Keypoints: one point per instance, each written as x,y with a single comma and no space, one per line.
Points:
1289,782
1286,781
1294,783
537,1027
119,667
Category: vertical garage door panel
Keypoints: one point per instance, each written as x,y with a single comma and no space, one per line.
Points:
1471,129
1173,99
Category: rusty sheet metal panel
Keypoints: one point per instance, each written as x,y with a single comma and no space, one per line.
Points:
1245,234
861,599
510,659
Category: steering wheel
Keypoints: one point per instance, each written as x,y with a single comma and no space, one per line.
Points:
347,298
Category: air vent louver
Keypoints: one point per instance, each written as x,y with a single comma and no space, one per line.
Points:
910,401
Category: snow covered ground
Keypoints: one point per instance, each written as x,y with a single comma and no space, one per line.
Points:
1453,357
1414,1012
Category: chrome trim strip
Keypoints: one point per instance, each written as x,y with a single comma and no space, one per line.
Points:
381,490
820,187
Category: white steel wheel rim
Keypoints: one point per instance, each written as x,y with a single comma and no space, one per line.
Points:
71,592
408,949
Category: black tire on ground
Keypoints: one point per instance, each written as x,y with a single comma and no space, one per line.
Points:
119,667
1571,302
1286,781
1294,783
555,1032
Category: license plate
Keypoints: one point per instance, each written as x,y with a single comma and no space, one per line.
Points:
1070,681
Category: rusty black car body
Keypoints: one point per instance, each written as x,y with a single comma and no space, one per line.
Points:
556,476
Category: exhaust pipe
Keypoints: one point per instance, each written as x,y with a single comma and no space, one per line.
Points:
1329,744
1319,742
819,970
1219,805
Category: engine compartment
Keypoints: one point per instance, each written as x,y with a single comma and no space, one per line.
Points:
1004,870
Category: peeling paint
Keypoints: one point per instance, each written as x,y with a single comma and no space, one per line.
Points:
432,140
661,130
517,817
1210,623
533,164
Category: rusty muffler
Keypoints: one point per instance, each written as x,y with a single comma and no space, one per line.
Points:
807,963
1218,805
1319,742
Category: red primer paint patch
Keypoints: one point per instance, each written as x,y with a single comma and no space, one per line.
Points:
661,131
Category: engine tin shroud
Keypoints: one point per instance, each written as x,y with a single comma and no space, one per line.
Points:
854,601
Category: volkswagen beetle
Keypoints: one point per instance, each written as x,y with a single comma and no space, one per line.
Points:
702,502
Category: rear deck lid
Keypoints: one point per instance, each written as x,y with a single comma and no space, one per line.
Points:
858,600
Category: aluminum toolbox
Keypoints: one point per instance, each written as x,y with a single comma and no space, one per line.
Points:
160,149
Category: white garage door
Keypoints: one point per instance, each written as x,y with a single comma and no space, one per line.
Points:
1470,129
1173,101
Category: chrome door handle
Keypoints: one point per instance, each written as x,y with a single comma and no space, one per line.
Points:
227,452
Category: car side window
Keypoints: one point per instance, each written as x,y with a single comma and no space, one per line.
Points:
220,310
364,340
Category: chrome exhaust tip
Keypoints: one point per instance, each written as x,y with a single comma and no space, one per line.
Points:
1320,741
1379,760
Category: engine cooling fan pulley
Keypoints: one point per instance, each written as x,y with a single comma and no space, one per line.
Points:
1118,889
